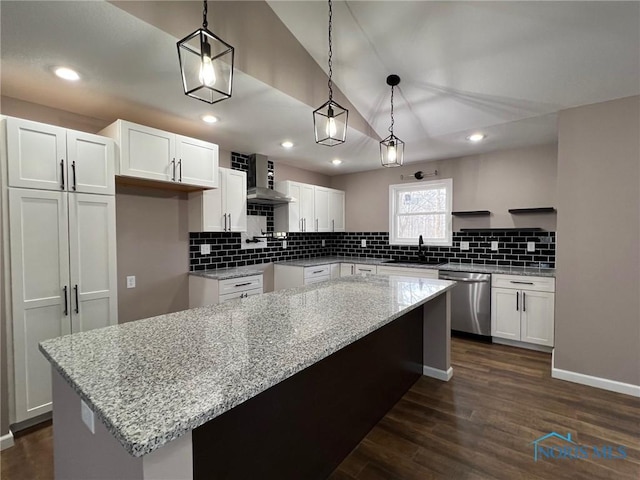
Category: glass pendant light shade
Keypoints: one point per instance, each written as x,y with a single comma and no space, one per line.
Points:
330,124
391,151
330,119
206,65
392,148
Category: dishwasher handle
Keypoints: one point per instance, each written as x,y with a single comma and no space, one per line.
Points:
463,280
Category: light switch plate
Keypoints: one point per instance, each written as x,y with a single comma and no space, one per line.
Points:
531,246
363,243
88,417
323,243
131,281
494,246
205,249
284,244
464,245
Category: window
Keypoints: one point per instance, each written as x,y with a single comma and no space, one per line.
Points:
420,208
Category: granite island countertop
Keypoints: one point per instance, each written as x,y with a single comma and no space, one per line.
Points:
152,380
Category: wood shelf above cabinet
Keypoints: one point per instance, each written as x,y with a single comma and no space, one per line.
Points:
471,213
532,210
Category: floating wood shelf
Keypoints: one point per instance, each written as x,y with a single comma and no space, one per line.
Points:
471,213
532,210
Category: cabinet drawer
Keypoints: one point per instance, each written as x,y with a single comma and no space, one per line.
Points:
319,271
366,269
317,279
524,282
408,272
237,285
234,295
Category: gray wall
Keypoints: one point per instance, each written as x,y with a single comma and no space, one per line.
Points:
496,181
153,244
598,256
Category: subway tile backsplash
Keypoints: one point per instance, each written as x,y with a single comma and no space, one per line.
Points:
512,248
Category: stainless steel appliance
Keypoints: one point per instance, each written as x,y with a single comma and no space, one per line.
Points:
470,301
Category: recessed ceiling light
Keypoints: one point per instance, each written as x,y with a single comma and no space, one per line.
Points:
336,161
476,137
66,74
287,144
209,119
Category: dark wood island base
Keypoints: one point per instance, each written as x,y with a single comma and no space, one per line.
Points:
303,427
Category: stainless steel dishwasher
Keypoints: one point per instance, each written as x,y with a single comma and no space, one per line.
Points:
470,301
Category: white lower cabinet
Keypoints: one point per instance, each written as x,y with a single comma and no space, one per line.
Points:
522,309
347,269
210,291
63,276
408,271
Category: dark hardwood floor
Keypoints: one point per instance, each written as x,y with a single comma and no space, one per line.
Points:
480,425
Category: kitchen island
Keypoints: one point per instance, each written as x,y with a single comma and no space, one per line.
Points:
281,384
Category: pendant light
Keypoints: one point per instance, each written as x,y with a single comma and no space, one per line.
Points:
206,64
392,148
330,120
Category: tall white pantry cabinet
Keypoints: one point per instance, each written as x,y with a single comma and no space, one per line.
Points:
60,248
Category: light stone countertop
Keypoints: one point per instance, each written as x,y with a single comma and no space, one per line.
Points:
152,380
458,267
228,273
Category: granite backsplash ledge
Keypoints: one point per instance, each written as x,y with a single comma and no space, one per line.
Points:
512,248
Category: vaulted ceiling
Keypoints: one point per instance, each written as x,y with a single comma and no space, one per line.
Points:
502,68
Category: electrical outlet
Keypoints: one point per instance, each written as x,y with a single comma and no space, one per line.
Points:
363,243
464,245
88,417
494,246
323,243
205,249
531,246
131,281
284,244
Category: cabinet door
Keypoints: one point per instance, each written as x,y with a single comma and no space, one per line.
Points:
91,162
336,211
146,152
505,313
92,246
39,276
234,203
346,269
37,155
307,210
212,216
197,162
537,317
321,204
295,208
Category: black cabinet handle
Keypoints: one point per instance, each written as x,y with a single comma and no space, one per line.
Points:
66,302
243,284
225,222
77,302
173,174
229,222
180,167
524,302
62,173
517,301
521,283
73,169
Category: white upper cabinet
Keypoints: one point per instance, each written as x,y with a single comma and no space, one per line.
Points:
222,209
321,202
154,154
314,209
336,211
45,157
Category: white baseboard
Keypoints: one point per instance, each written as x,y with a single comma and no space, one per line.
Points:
444,375
597,382
6,441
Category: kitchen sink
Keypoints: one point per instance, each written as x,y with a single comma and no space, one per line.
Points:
415,262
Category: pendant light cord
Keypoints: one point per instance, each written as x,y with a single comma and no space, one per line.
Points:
391,127
330,83
205,24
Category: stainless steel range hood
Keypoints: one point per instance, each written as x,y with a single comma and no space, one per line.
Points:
258,191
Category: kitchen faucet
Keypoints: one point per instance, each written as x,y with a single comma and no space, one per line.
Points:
421,252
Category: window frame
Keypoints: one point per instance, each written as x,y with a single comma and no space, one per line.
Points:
395,190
